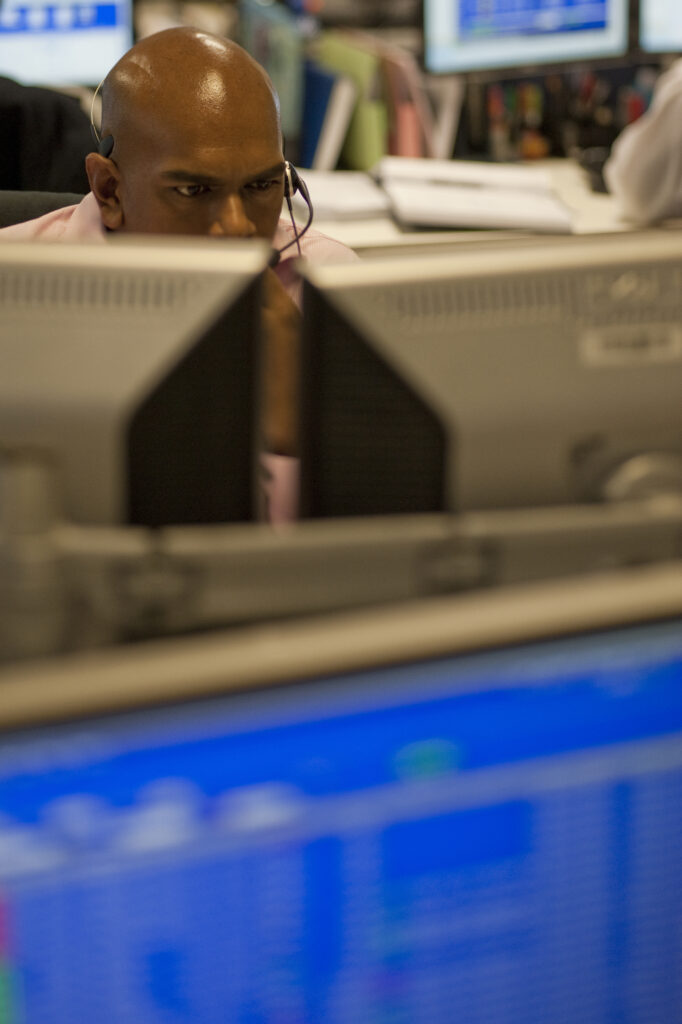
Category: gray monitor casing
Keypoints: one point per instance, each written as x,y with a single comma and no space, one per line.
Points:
134,367
510,378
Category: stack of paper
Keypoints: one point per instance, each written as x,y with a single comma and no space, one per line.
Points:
464,172
468,194
336,195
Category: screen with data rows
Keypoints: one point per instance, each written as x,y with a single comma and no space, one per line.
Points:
63,42
492,837
481,35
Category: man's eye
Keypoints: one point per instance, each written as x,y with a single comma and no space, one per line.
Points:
189,191
263,186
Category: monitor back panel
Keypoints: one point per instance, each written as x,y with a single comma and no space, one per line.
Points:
495,379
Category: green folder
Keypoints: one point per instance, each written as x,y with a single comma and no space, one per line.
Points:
367,137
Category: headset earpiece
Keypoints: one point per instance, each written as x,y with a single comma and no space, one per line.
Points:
292,182
106,145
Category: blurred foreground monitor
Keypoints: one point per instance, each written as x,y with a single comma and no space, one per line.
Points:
465,810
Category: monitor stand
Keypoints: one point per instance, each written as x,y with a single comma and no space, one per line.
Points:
65,587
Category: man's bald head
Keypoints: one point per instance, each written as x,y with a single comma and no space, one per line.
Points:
182,75
197,143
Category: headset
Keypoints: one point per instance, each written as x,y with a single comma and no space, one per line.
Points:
293,183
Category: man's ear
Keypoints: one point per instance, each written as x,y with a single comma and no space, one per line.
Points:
104,177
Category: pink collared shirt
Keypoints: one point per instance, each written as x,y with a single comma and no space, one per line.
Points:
82,223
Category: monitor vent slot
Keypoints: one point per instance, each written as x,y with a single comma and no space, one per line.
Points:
578,297
434,308
63,289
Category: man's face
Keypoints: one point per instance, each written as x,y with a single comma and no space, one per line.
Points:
217,169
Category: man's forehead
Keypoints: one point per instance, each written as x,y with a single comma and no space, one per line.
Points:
228,156
214,117
206,131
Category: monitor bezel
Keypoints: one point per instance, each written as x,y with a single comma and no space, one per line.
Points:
188,671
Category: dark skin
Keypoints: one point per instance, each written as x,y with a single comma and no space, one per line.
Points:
198,151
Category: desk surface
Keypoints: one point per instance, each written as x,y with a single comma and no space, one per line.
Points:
594,212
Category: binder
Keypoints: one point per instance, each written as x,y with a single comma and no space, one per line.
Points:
329,100
367,137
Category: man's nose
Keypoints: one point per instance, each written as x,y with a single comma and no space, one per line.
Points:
231,219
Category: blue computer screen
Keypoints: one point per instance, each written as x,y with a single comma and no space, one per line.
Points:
499,18
492,838
476,35
63,42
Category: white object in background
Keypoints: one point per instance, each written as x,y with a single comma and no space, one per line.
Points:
644,169
339,194
452,206
446,93
463,172
335,126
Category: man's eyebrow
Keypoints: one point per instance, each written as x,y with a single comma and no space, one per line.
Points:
197,178
190,177
270,171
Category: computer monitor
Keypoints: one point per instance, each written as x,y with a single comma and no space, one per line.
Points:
485,35
133,367
513,377
467,810
63,43
660,26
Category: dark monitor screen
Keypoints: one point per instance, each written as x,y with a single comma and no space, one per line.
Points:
481,835
63,43
133,367
660,26
484,35
511,377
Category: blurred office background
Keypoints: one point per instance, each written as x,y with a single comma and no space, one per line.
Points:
532,101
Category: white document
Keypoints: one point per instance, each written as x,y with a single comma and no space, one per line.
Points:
424,204
463,172
339,194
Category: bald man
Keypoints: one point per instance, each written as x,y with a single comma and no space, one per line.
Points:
192,145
